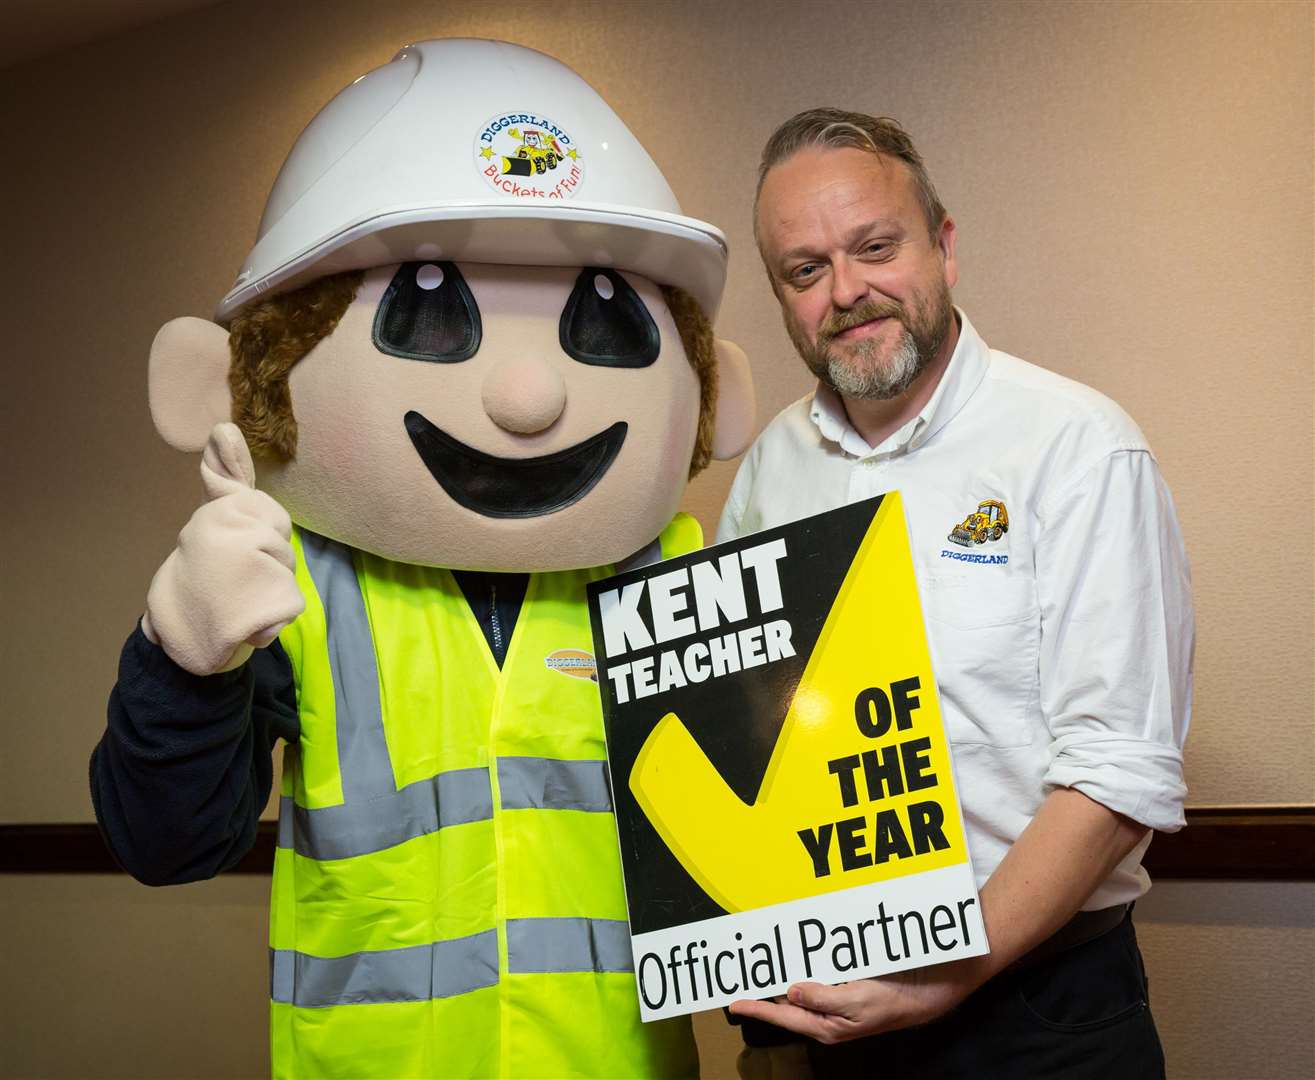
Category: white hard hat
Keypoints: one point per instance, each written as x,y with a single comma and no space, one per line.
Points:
426,158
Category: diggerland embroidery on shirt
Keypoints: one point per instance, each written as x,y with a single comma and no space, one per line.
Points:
576,663
985,525
527,156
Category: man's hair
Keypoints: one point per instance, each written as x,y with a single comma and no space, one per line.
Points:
836,128
267,339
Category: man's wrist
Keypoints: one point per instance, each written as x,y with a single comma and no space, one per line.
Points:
967,976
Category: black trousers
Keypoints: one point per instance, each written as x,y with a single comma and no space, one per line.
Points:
1082,1013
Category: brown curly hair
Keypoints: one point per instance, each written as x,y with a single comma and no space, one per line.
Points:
267,339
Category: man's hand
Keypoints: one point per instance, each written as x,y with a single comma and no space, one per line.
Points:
832,1014
229,585
1066,851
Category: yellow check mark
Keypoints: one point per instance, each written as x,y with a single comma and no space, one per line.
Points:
745,855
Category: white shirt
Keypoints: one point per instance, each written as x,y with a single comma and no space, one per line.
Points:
1063,649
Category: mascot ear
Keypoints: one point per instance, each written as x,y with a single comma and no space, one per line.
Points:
735,403
188,381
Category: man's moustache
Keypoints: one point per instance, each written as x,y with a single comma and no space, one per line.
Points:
847,320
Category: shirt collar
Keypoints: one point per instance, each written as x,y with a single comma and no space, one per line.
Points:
963,375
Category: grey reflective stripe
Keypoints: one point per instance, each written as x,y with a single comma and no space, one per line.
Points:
561,945
287,807
363,761
374,814
282,964
531,783
341,832
418,973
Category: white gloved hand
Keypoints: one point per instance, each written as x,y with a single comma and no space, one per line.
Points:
229,585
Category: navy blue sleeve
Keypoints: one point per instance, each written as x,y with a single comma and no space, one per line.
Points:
184,768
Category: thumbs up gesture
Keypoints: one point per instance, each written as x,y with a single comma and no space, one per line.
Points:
229,585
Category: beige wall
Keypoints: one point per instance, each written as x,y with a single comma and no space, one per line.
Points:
1133,187
113,981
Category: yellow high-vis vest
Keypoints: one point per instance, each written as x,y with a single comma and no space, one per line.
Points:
447,896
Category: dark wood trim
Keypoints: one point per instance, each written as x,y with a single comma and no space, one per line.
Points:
80,849
1237,843
1221,843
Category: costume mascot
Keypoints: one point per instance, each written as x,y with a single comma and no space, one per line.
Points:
467,368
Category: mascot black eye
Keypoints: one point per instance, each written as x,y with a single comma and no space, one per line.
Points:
606,323
427,313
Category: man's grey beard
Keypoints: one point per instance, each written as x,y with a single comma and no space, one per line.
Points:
873,382
856,377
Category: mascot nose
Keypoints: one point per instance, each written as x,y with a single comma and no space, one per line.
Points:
524,395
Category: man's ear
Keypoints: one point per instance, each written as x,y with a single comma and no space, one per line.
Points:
945,240
735,403
188,382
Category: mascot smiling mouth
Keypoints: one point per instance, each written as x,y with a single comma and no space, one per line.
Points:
513,487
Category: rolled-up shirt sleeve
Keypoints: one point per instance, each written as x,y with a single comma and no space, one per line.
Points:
1117,635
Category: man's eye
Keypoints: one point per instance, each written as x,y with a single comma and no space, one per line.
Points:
803,273
605,323
428,313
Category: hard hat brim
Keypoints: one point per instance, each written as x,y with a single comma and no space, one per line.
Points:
666,248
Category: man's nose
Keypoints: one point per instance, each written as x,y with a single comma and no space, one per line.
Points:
524,395
847,284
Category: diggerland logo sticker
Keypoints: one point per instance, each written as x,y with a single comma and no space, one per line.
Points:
576,663
527,156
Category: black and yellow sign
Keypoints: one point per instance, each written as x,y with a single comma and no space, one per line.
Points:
781,775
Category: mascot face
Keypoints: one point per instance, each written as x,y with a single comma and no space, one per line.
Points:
494,411
493,417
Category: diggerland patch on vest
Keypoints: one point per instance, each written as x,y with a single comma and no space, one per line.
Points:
781,774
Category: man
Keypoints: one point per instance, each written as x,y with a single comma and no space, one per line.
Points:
1056,592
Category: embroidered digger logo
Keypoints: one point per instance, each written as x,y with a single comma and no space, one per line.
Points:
989,521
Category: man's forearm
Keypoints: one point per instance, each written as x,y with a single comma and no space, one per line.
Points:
1059,860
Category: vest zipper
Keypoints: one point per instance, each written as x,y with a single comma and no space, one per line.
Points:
494,625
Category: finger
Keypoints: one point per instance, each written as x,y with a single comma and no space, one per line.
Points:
281,603
842,1001
273,542
261,638
226,464
236,525
264,636
271,529
241,509
233,453
790,1017
255,504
